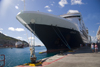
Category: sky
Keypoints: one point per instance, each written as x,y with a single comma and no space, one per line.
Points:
10,26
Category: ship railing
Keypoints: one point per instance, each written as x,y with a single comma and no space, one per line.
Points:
2,60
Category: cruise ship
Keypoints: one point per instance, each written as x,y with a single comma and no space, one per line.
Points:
19,44
58,33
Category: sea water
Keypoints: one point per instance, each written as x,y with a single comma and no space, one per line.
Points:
18,56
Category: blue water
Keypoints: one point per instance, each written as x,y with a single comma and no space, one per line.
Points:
17,56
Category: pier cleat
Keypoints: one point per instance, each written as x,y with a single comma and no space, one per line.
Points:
33,64
38,63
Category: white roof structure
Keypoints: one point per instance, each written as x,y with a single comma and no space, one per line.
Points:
73,11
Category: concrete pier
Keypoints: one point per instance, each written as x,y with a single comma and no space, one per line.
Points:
81,57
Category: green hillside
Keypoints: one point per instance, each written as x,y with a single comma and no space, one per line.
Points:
7,41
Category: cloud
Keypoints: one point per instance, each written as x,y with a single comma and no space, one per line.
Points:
19,37
16,29
46,7
11,28
25,40
93,31
98,23
74,2
0,31
51,4
5,5
73,11
16,7
62,3
39,43
31,38
94,39
5,34
49,10
1,28
19,29
22,0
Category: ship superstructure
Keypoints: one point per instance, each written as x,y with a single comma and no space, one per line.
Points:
76,18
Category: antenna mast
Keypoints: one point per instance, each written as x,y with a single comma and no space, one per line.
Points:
24,5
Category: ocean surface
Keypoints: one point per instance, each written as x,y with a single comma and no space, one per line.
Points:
17,56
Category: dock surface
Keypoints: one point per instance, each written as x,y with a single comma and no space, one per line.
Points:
81,57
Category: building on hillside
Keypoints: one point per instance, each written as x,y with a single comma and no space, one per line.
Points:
98,35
